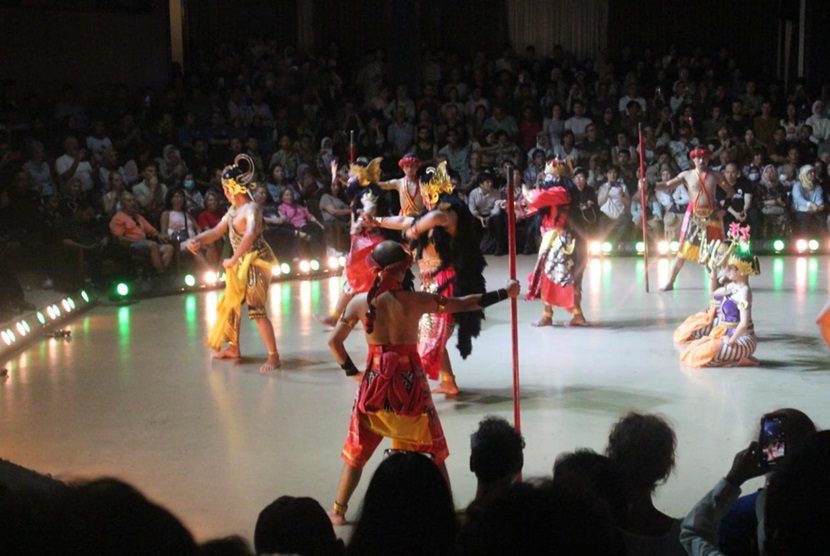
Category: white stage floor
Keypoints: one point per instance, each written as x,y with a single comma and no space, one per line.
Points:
135,394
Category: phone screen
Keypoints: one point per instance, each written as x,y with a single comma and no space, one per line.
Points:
772,444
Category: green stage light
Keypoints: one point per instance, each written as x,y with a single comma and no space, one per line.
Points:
285,268
85,296
607,247
189,280
640,247
41,318
778,245
812,244
315,265
122,289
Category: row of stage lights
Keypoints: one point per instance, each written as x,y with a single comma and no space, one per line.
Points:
283,271
46,317
775,247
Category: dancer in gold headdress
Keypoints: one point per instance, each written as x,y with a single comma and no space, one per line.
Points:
247,272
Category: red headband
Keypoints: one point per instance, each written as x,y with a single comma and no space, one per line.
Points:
700,151
409,161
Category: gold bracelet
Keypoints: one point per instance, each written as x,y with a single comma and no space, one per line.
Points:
339,509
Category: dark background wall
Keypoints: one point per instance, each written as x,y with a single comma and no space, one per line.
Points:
42,47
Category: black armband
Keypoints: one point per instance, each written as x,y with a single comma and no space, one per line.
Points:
349,367
492,297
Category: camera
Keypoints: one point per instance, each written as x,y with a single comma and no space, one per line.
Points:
772,442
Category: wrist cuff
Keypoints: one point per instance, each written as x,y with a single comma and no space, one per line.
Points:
492,297
349,367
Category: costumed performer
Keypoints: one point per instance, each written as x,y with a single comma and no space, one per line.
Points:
247,271
408,188
703,218
450,263
552,279
393,399
732,342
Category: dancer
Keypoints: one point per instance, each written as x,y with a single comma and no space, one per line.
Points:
393,399
247,272
552,279
366,199
450,263
732,342
409,191
702,220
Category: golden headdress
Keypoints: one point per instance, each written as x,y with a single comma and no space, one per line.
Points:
237,176
366,174
439,183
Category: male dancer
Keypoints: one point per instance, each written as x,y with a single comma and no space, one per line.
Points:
702,221
450,263
393,399
247,272
409,192
552,279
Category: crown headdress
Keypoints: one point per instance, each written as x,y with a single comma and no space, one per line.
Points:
559,168
238,175
439,183
741,258
366,174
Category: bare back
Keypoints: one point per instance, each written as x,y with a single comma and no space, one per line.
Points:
397,312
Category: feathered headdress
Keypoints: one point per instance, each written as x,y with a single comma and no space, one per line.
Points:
439,183
237,176
741,257
366,174
559,168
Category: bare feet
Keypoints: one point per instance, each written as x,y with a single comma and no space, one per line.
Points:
273,362
327,320
337,519
749,362
447,387
667,288
543,321
230,352
578,320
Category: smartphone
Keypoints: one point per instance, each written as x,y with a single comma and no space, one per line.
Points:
772,444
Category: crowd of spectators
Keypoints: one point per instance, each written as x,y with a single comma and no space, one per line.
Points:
294,115
593,503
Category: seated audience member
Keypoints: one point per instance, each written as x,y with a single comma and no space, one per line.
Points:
484,203
723,523
614,202
207,220
496,457
150,192
130,227
772,198
643,447
194,198
407,510
598,478
111,200
290,525
179,225
538,518
304,225
808,203
336,216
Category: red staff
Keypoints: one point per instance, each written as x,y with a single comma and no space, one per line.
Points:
643,200
352,148
514,318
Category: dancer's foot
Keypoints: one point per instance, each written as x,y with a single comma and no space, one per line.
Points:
273,362
448,387
326,320
230,352
578,320
667,287
749,361
543,321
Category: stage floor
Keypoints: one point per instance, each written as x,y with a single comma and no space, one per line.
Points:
136,395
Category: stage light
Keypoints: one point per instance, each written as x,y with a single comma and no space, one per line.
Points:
314,264
342,261
50,312
275,270
85,296
801,245
333,263
122,289
674,246
607,247
71,303
41,317
663,247
211,278
66,306
26,326
56,310
778,245
640,247
285,268
21,329
189,280
812,244
304,266
6,338
595,248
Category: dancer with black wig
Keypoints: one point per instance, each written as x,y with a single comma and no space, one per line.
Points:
451,264
393,399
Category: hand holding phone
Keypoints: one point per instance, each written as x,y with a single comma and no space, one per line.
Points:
772,442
